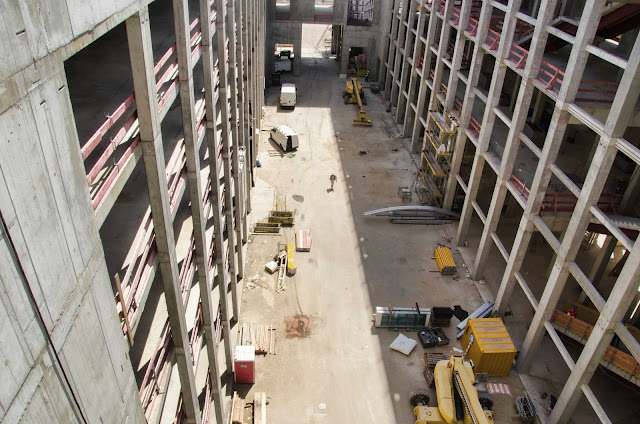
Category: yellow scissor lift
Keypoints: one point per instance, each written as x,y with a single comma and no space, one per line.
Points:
435,161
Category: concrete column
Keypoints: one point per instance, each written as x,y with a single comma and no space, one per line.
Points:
407,68
458,54
560,118
617,121
144,81
227,141
468,101
512,143
442,50
243,135
600,264
389,79
235,89
245,77
399,58
538,107
210,311
488,120
417,137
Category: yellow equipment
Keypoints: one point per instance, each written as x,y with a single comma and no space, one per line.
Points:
486,342
291,268
354,94
453,377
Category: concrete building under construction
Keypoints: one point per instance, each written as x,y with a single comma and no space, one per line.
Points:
135,161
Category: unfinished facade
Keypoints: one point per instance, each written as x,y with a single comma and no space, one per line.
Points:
128,148
524,114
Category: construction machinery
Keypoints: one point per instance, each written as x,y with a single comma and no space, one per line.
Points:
354,94
459,400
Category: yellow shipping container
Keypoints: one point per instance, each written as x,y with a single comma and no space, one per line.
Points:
491,349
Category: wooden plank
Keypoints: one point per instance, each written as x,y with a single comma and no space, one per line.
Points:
127,326
260,408
237,409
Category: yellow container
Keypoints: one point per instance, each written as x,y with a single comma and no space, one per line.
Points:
491,349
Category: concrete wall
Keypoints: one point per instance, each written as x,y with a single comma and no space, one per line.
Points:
45,204
290,31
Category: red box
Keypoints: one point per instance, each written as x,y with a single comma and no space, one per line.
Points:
244,359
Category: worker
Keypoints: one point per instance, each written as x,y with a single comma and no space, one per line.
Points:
332,179
573,312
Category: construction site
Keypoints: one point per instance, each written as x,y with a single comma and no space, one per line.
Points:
320,211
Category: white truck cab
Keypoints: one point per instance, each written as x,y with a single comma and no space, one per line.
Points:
285,137
288,95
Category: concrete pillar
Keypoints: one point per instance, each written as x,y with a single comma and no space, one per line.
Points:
538,107
144,81
390,75
399,58
468,102
243,108
245,74
227,152
235,88
417,136
560,118
209,309
493,98
617,121
512,143
600,264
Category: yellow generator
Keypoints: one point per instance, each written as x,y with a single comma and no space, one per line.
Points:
449,375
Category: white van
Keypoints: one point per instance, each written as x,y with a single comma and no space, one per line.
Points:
285,137
288,95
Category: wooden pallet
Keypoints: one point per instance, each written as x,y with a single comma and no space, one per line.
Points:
432,358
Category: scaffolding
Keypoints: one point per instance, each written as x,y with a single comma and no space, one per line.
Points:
439,143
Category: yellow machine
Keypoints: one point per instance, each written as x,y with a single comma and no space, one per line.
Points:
354,94
453,378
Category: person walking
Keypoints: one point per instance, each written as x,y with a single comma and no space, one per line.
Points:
332,180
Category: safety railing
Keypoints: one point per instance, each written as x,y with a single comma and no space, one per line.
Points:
157,372
196,338
518,56
181,414
474,128
493,40
553,203
550,76
207,400
613,357
597,91
106,169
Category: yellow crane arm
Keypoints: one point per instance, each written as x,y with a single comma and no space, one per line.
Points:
356,90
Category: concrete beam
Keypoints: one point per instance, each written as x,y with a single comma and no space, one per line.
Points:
142,64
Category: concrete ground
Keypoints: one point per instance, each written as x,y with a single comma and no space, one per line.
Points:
341,369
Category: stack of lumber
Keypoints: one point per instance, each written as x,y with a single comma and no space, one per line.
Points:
262,336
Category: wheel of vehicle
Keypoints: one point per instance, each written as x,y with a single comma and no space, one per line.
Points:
363,98
419,397
486,400
346,100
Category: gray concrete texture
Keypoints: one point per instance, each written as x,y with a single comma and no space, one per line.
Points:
84,372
